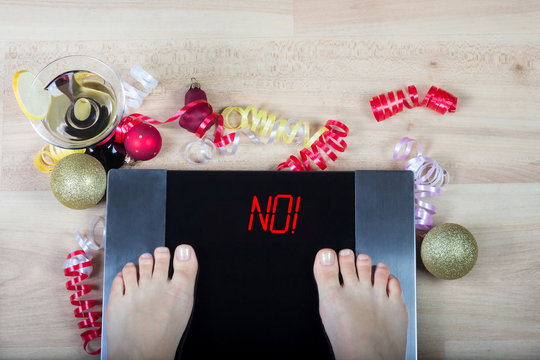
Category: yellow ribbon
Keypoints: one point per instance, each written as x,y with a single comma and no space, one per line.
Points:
266,125
50,155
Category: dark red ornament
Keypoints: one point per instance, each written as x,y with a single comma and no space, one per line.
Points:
142,142
193,118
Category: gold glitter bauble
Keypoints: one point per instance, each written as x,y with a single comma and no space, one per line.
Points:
78,181
449,251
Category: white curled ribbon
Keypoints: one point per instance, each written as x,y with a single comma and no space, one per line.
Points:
207,147
234,145
429,177
86,244
134,96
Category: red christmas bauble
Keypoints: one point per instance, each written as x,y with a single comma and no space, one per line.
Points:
142,142
195,116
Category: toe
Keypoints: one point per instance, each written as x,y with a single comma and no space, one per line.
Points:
380,279
363,267
117,287
162,258
394,288
146,264
347,267
326,269
185,267
129,273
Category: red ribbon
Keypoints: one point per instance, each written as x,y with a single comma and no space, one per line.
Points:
331,138
90,318
123,127
436,99
205,125
131,120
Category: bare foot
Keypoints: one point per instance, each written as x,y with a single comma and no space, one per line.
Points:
146,318
363,320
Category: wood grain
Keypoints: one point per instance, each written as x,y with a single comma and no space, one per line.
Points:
310,60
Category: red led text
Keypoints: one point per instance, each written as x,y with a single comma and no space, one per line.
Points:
267,221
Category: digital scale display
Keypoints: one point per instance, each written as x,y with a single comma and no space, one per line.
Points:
255,235
256,209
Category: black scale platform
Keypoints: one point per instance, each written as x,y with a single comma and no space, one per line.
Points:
255,235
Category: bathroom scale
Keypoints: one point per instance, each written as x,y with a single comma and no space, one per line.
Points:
255,235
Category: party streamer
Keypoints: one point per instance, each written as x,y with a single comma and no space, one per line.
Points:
429,177
436,99
333,137
204,143
49,155
134,96
254,121
287,131
78,265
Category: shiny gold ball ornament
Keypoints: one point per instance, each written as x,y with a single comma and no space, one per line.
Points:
449,251
78,181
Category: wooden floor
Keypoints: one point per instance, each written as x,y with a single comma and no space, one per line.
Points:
312,60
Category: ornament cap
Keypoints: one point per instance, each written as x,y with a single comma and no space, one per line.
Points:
194,84
130,161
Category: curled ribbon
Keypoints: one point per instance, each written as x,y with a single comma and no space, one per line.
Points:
332,137
134,96
429,177
49,155
288,131
253,121
78,265
436,99
206,142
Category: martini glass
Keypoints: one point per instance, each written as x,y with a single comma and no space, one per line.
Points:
87,102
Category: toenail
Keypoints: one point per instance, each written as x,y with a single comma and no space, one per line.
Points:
146,256
362,257
162,249
183,253
381,265
130,264
345,252
327,258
